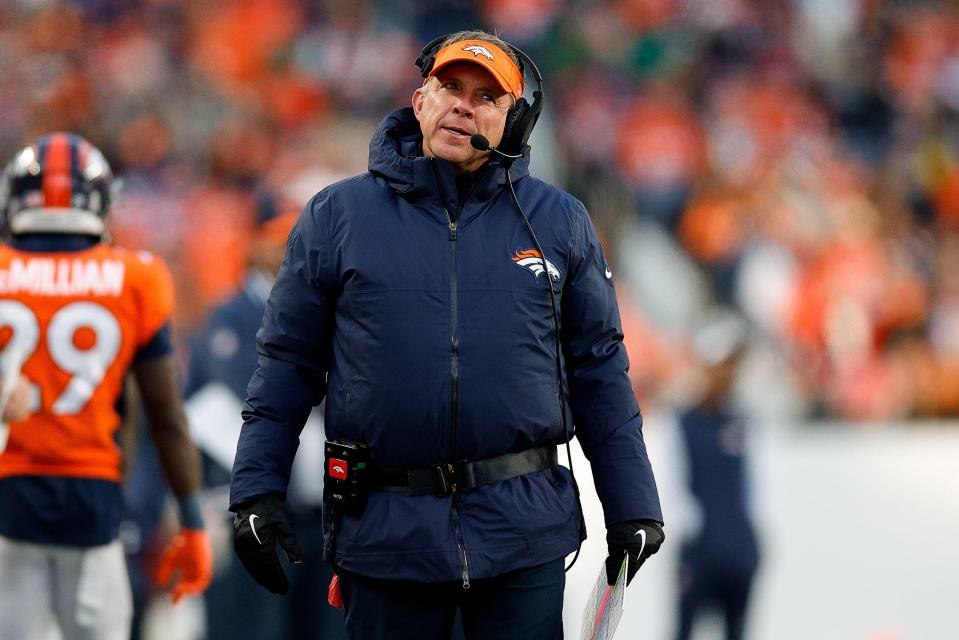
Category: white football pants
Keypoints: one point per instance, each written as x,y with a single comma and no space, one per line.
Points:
82,592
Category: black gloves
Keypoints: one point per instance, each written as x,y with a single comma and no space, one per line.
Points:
639,538
257,527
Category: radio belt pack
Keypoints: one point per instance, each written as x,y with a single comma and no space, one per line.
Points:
345,485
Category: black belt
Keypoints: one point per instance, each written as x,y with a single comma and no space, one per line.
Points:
446,478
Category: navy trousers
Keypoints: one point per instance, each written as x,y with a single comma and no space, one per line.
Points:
708,583
520,605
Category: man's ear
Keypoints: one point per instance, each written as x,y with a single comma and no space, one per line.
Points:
419,95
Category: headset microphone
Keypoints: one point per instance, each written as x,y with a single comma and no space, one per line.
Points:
480,142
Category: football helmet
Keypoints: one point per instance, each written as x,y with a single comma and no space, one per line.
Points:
59,184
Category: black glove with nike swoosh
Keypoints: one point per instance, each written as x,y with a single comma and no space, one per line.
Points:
639,538
258,525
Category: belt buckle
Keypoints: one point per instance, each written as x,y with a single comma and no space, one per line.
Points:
450,478
444,480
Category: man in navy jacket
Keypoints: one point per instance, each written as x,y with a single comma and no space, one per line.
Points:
416,300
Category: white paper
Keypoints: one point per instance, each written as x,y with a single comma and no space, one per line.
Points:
215,421
605,605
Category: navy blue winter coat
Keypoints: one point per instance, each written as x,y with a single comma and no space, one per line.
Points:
420,318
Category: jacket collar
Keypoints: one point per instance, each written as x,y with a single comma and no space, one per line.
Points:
396,156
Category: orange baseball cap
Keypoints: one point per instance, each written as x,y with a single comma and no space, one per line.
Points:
487,55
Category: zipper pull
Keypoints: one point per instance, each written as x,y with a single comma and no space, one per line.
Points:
452,231
466,569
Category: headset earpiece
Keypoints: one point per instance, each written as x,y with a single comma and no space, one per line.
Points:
513,119
424,62
520,121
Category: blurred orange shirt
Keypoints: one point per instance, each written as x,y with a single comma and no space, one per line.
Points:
76,321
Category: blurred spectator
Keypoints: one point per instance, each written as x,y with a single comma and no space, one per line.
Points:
659,152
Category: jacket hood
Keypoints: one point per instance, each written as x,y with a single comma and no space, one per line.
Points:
396,156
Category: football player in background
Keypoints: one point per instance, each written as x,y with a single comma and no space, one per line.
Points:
75,316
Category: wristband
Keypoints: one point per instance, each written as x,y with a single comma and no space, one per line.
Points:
191,516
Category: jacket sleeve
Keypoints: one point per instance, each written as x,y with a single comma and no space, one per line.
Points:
605,412
294,344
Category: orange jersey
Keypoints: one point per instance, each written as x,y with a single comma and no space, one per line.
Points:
74,322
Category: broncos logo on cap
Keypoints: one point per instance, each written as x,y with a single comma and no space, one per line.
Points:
478,50
533,260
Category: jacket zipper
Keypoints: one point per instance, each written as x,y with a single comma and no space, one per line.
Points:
454,390
460,544
454,318
454,338
454,362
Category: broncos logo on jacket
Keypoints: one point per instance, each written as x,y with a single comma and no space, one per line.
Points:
533,260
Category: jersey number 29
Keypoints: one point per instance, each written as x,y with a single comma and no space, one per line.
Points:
86,366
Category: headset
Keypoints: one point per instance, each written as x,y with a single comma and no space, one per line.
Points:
521,117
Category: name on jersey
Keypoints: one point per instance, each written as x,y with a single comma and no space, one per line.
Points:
63,277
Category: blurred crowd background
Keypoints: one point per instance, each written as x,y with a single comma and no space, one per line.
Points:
796,161
788,167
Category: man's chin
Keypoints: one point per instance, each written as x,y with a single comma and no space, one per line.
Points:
454,153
